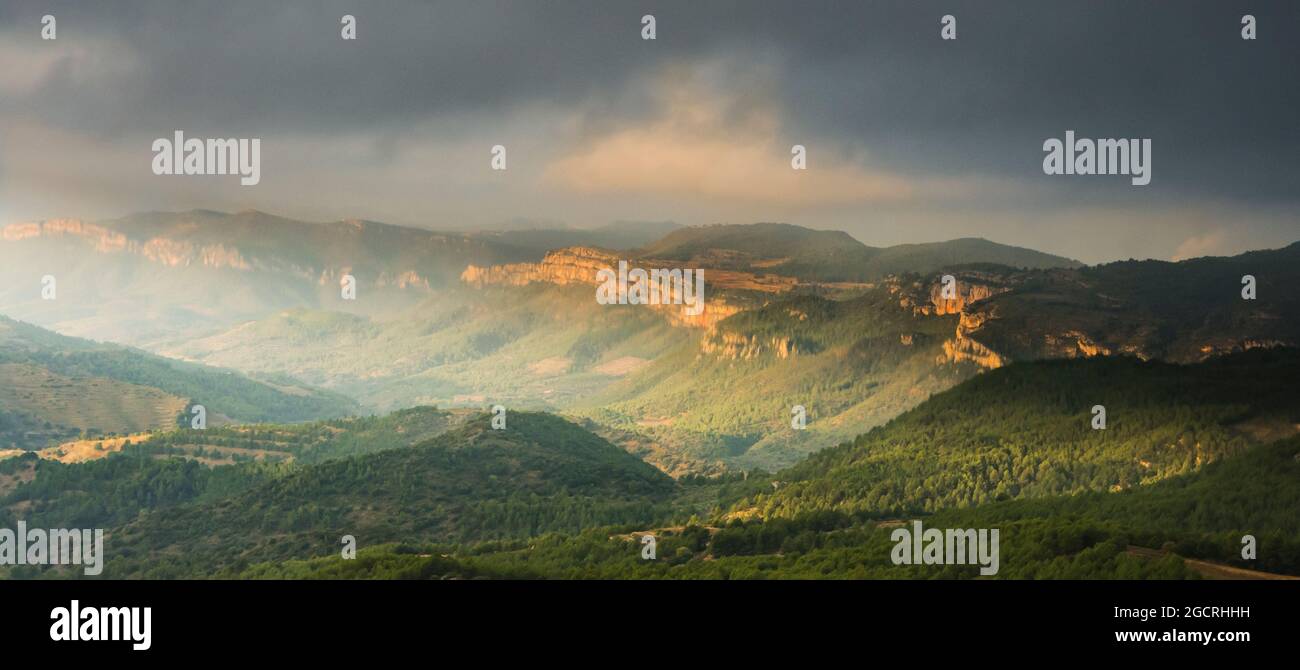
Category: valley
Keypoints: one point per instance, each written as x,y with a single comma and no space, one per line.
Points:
439,509
950,382
792,316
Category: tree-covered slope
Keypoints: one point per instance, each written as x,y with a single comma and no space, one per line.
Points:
729,395
1184,527
1184,312
164,469
539,474
1026,431
68,382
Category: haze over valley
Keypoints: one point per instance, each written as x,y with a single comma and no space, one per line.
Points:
709,290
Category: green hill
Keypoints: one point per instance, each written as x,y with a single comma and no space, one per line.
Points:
179,466
539,474
76,385
729,395
1194,458
304,443
1202,515
934,256
38,406
1025,431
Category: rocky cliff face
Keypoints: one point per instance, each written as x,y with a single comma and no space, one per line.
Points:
182,253
580,265
100,238
966,293
963,347
574,265
960,349
1181,312
926,297
172,253
736,346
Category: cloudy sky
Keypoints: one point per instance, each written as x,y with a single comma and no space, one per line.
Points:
910,138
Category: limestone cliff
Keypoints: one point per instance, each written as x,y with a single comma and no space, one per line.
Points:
740,347
580,265
182,253
574,265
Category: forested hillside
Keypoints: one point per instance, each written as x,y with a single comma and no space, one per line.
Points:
539,474
1193,457
851,364
183,465
1026,431
61,386
1201,515
1183,312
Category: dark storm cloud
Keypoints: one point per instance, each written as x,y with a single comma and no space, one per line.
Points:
865,75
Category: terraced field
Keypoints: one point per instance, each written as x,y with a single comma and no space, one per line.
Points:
304,442
94,405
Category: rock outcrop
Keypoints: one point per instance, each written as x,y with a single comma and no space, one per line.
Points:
580,266
182,253
740,347
574,265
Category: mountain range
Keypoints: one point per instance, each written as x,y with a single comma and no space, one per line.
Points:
461,319
853,334
828,392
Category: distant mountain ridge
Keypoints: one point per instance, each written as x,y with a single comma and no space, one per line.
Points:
792,316
56,387
1184,312
744,264
617,235
161,274
829,255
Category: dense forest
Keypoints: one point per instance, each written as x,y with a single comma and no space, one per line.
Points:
1201,515
1192,458
1026,431
540,474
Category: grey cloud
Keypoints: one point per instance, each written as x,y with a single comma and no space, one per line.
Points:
868,78
873,75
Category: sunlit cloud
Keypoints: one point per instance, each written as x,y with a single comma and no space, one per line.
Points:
1214,243
703,145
